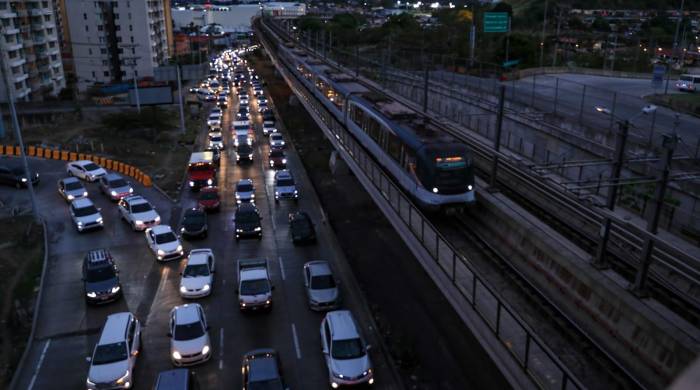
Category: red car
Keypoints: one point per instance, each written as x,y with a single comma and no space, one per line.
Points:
278,159
209,199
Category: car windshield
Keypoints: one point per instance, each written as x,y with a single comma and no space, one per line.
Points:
209,195
276,153
216,138
165,238
109,353
245,149
241,128
141,208
85,211
74,186
99,274
91,167
188,331
118,183
322,282
255,287
194,218
276,137
347,349
244,188
285,182
195,270
247,217
199,167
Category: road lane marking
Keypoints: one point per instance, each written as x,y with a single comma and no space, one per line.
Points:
296,341
284,277
163,278
323,215
221,348
274,225
38,365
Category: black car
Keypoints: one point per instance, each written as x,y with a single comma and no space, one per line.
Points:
244,152
247,221
301,228
262,370
14,176
194,223
100,277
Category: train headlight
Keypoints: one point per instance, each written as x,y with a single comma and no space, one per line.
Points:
470,187
435,190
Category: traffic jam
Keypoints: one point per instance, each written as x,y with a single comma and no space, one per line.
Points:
241,137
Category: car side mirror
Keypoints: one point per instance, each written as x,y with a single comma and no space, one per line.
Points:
169,334
368,347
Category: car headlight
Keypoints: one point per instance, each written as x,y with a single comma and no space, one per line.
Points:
182,229
88,382
138,222
85,193
70,197
282,143
252,195
469,187
176,355
158,218
435,190
116,289
161,252
92,295
123,378
257,229
210,181
24,180
113,193
205,350
250,155
296,192
99,220
284,161
179,248
239,230
80,224
183,289
206,287
238,196
131,190
191,183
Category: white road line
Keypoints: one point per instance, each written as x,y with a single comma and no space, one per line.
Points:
221,341
38,365
221,364
163,278
323,215
274,225
296,341
284,276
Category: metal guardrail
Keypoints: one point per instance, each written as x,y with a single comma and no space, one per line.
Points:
526,348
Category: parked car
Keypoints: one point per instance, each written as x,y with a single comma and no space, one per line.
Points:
85,170
114,357
100,277
71,188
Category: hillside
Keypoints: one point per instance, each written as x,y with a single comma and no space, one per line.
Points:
523,5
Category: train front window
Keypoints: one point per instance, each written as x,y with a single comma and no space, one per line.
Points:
451,174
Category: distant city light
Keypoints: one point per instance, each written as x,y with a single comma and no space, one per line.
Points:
398,2
452,5
435,5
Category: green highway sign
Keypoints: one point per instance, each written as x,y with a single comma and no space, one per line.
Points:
508,64
495,22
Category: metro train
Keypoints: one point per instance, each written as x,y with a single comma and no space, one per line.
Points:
434,167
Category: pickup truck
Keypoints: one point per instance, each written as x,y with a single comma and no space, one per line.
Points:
254,285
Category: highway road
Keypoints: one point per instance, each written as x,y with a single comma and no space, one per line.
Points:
68,329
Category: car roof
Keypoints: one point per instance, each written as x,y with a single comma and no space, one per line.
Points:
283,174
247,207
97,256
209,189
263,366
160,229
113,176
82,202
198,256
114,329
245,181
319,267
186,314
342,325
82,162
176,379
135,199
71,179
194,210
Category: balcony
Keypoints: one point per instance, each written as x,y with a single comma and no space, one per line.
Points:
22,92
13,46
38,26
40,11
18,78
11,30
40,40
7,14
54,50
16,61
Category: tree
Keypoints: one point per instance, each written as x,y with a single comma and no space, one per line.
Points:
503,7
600,24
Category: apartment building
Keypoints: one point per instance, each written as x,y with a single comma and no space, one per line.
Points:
115,41
30,50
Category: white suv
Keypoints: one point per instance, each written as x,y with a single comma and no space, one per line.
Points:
85,169
85,215
198,276
138,212
113,360
344,350
189,335
285,188
245,191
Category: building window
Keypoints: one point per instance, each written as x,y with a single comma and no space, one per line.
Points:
119,39
128,4
87,28
118,27
12,54
120,51
54,57
52,44
131,28
105,62
132,39
47,18
133,50
45,4
49,31
100,27
90,51
18,85
106,73
84,16
93,74
123,73
103,51
129,15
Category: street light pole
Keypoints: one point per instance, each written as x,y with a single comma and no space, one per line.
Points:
179,93
544,30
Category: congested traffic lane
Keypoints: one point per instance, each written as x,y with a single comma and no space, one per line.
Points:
67,328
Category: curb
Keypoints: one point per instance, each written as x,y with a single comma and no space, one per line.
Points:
35,316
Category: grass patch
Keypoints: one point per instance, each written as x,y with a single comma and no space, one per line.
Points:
150,140
21,262
688,103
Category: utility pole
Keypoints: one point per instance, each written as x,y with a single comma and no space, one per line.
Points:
614,46
556,42
544,31
639,287
599,261
472,46
497,141
179,93
18,135
508,39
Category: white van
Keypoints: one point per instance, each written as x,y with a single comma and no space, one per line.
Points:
114,357
688,82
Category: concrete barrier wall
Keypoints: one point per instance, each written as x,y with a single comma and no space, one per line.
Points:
65,155
654,348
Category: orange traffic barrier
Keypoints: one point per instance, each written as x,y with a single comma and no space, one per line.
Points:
9,150
64,155
40,152
81,156
102,161
73,156
120,167
2,149
31,150
56,154
108,164
96,159
132,171
147,181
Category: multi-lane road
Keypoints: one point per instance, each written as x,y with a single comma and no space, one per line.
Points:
68,329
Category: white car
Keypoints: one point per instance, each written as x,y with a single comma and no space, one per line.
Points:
245,191
269,128
164,243
85,169
243,99
241,122
138,212
214,119
344,350
189,335
285,188
198,276
85,215
276,140
216,140
114,358
216,110
71,188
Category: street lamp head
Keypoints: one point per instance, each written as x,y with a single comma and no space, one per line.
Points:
603,110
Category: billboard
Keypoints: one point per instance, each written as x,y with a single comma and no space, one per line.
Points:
152,96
